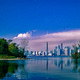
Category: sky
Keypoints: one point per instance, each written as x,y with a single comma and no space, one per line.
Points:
37,18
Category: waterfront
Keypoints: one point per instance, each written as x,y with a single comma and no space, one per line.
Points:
37,68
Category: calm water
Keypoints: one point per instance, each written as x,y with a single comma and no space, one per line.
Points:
41,68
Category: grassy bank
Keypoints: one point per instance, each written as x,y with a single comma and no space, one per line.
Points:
6,57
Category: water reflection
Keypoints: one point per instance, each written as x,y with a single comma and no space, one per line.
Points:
6,69
21,73
55,62
68,62
60,64
32,69
3,69
12,69
47,64
75,68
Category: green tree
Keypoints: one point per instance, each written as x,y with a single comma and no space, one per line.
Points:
3,46
9,41
13,49
75,54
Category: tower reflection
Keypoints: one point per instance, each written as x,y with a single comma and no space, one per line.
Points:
47,64
60,64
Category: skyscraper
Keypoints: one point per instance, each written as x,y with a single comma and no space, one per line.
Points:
58,46
27,52
61,45
47,49
67,50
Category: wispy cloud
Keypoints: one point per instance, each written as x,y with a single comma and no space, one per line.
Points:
34,30
65,34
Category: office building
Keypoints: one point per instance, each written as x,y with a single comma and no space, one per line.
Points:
27,52
37,53
67,50
42,53
58,46
61,45
58,52
55,52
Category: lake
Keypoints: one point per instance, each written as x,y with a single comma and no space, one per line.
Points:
41,68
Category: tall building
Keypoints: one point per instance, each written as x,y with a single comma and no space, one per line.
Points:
35,53
58,52
47,49
42,53
58,46
67,50
61,45
71,51
27,52
55,51
66,53
38,53
31,52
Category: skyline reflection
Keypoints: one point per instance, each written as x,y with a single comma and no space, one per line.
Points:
37,67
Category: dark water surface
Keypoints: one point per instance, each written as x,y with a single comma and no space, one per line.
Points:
41,68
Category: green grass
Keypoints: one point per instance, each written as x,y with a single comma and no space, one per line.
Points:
10,57
6,57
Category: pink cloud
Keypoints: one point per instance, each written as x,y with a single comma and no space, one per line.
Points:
68,38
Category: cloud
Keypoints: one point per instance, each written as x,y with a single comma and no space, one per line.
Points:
24,35
38,43
68,38
34,30
64,34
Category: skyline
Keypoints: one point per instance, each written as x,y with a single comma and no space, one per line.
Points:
38,43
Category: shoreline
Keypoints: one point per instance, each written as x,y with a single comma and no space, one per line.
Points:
17,59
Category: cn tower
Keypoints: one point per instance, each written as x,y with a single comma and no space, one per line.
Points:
47,49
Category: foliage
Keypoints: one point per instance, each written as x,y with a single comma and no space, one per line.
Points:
76,54
3,46
9,41
8,49
13,49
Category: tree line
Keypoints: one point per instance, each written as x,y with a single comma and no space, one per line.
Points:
76,53
10,49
